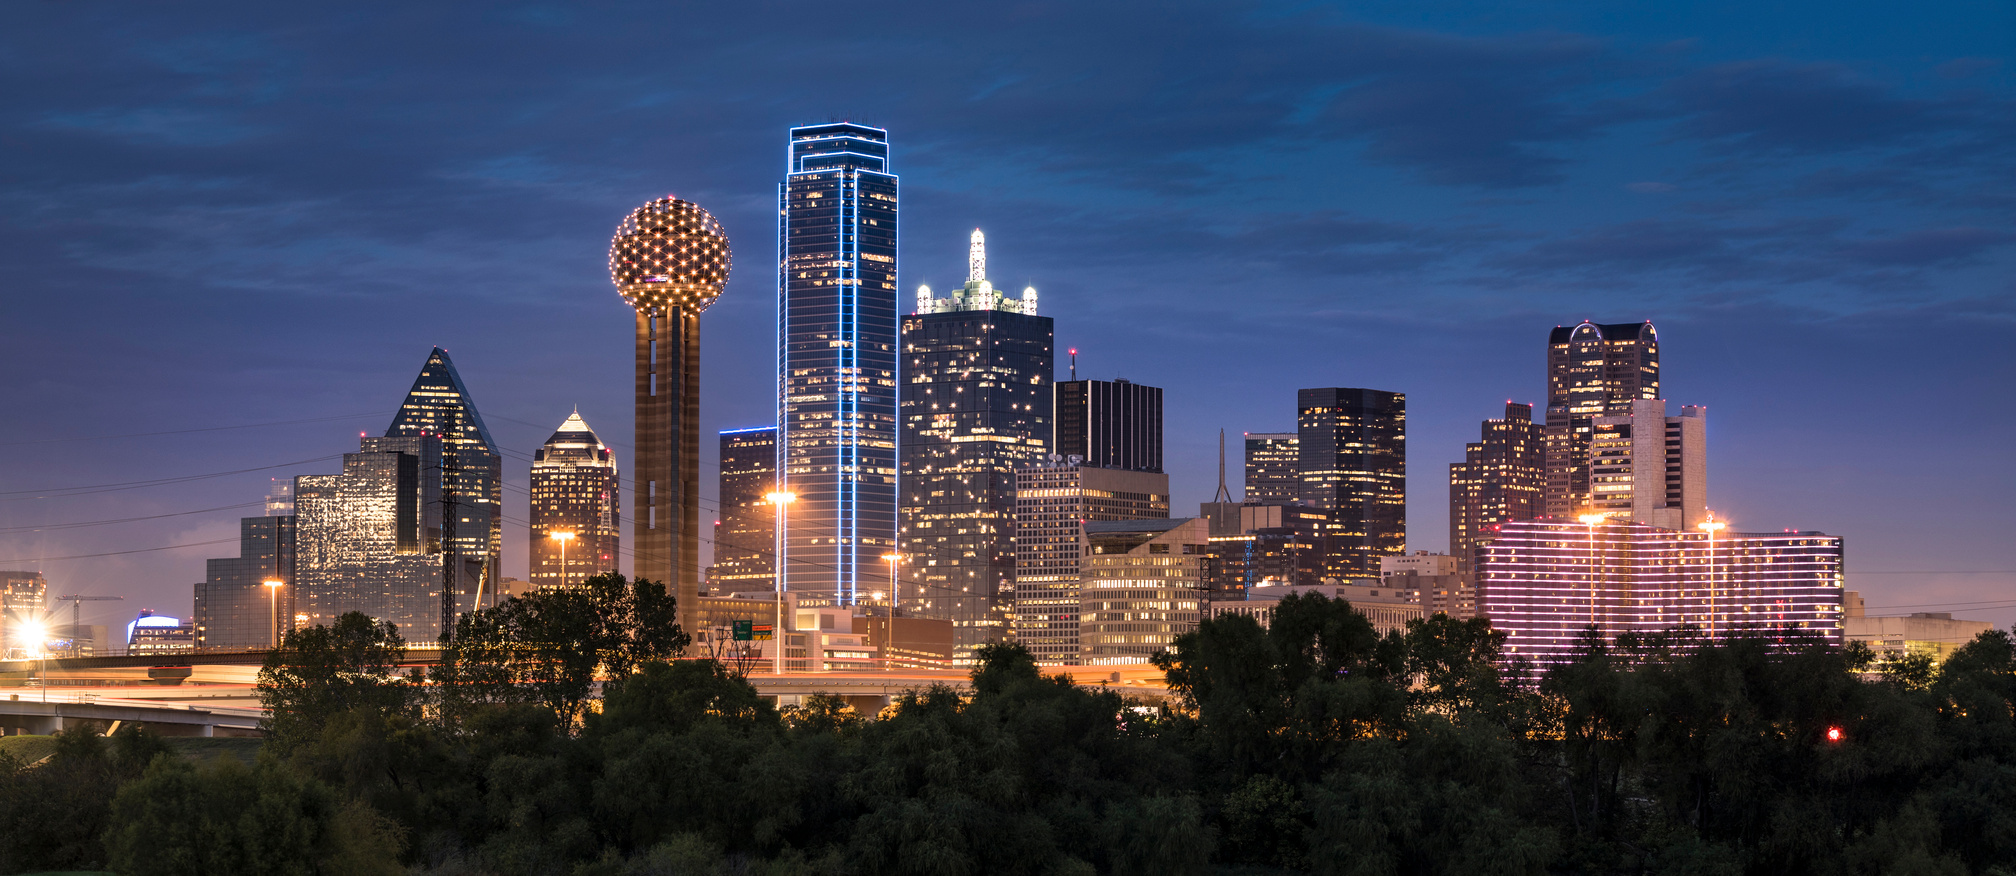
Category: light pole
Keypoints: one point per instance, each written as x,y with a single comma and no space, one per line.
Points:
779,499
563,538
895,605
273,586
38,633
1711,526
1592,520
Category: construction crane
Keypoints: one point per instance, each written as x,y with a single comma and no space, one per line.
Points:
77,613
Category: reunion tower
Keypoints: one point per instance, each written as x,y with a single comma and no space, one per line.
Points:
669,260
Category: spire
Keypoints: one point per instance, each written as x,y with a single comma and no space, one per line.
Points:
976,258
439,404
1223,495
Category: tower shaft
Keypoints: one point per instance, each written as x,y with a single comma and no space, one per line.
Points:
667,503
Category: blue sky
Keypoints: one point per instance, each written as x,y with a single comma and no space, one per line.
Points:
222,214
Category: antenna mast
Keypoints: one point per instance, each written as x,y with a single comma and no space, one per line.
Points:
1223,495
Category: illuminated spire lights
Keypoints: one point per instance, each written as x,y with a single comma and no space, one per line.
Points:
669,253
976,258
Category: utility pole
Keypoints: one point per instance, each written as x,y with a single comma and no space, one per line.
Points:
77,614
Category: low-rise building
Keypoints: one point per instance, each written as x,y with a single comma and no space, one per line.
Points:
1936,634
1144,583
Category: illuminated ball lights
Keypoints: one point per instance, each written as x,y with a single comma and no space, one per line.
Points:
669,253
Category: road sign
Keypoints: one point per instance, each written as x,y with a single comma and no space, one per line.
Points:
762,632
744,630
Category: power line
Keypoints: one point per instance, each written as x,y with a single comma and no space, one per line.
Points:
167,547
192,431
84,523
66,492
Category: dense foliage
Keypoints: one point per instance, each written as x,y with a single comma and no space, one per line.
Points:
1316,745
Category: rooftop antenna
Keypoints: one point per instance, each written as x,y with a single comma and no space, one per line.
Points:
1074,363
1223,495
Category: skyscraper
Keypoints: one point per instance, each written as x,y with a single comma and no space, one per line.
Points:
1502,478
975,408
472,475
1352,459
369,539
24,600
1110,424
836,359
1592,370
235,610
669,260
1052,503
1272,476
745,537
575,492
1650,468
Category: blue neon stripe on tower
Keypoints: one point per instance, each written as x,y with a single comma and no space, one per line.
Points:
836,357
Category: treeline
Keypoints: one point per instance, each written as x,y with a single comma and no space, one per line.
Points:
1316,745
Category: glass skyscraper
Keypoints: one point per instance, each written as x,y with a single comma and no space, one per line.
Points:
1272,477
1592,370
1110,424
745,536
976,408
836,359
472,472
1352,458
576,492
235,611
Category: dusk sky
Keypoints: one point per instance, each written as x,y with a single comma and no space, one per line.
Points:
222,215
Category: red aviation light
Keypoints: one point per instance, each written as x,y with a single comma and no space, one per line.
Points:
1834,734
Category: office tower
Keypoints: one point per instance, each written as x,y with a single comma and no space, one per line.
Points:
1502,478
1545,581
1650,468
1272,473
235,609
369,540
836,360
152,633
1144,583
1110,424
745,538
975,408
1352,460
669,261
24,600
1592,370
1052,502
577,494
472,472
1434,581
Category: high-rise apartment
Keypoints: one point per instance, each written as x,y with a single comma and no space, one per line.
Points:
1052,503
1352,460
1145,583
1273,475
1592,370
1110,424
836,359
577,496
24,600
669,261
235,608
369,540
745,535
1650,468
1502,478
472,471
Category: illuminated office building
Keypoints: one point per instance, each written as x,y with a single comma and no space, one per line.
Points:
745,536
1650,468
1272,474
975,408
1502,478
1110,424
235,610
1592,370
369,540
472,471
1545,581
1352,460
836,360
1052,503
669,261
1145,582
24,600
576,491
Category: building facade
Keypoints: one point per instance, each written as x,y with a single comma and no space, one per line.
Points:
235,610
976,404
1110,424
1545,581
745,535
1144,582
1934,634
1649,468
576,493
1436,582
1592,370
1053,501
1503,477
837,359
1352,461
1388,609
369,540
1273,475
24,601
472,471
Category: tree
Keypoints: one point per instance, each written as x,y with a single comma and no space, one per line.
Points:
181,820
319,672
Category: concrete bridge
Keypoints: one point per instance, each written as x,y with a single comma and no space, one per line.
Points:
29,713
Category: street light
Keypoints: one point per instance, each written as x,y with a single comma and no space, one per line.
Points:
895,605
1592,520
563,538
273,586
38,633
779,499
1711,526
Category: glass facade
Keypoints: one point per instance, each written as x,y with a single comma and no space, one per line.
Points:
576,491
836,359
1592,370
1110,424
235,610
1502,478
1352,460
1271,474
1052,504
369,539
745,538
1144,585
975,408
472,472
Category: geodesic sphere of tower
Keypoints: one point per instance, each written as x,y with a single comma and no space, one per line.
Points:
669,253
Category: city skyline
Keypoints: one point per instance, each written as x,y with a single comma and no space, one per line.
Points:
256,340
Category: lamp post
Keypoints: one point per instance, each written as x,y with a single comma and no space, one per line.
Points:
38,633
779,499
273,586
895,605
563,538
1711,526
1592,520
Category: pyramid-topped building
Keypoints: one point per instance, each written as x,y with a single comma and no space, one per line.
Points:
472,476
576,506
